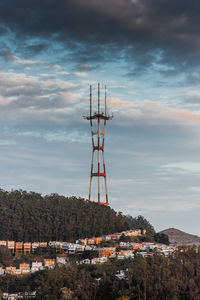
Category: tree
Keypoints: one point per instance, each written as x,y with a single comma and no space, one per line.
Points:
161,238
124,238
140,223
67,294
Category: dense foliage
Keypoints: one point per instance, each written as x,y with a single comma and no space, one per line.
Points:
31,217
155,277
141,223
161,238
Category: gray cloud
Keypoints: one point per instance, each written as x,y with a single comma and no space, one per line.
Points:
36,48
30,102
100,30
7,55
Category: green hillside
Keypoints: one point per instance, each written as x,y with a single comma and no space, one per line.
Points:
31,217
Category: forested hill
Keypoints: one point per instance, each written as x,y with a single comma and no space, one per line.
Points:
31,217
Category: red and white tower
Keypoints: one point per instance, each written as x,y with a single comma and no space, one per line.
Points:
99,119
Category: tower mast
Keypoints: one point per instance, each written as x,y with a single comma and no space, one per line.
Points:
99,118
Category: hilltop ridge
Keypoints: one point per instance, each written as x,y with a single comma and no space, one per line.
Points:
179,237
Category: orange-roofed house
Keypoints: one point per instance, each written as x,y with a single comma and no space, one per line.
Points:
19,247
43,244
49,263
98,240
27,248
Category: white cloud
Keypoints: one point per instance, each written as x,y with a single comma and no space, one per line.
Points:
7,142
80,74
185,167
58,136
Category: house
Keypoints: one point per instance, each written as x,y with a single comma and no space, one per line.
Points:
125,245
115,236
19,247
36,266
142,247
80,248
55,244
131,255
17,272
11,245
43,244
94,261
120,256
25,268
98,240
27,248
135,246
61,260
112,255
65,246
58,246
107,238
103,260
2,271
5,295
83,242
71,248
35,246
120,274
106,251
13,296
25,271
124,252
86,261
51,244
49,263
135,232
9,270
74,248
30,294
20,295
88,248
3,243
91,241
144,254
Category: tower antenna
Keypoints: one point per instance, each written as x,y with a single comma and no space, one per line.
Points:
90,100
105,99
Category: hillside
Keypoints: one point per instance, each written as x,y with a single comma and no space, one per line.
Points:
179,237
31,217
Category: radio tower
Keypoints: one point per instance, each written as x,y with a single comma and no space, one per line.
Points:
99,118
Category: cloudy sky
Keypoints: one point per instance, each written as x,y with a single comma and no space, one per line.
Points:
147,52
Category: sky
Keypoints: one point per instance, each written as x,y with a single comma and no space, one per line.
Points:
147,53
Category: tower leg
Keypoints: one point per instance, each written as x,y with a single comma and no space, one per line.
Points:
92,134
106,188
90,189
99,161
104,165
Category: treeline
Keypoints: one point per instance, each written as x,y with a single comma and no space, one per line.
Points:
32,217
155,277
141,223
